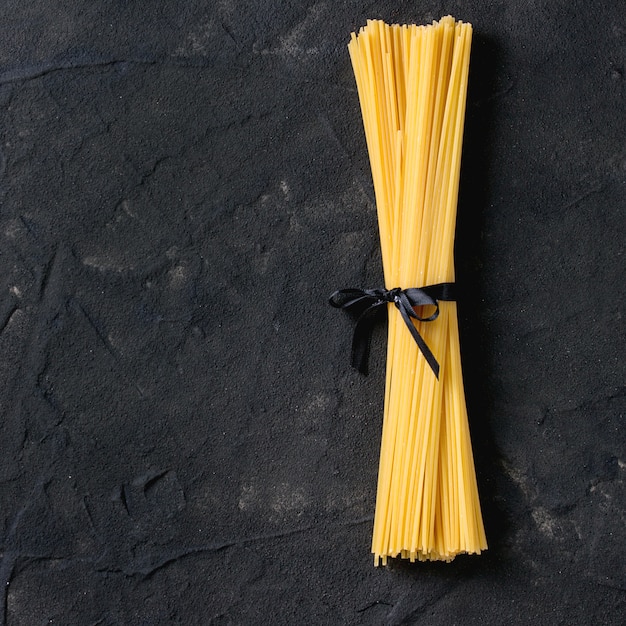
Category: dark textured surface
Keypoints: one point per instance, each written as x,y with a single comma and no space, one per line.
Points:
183,441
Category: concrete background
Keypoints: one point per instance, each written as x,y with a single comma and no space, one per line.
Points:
182,185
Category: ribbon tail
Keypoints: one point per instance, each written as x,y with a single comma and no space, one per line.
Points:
362,339
428,355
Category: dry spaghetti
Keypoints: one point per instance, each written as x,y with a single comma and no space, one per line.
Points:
412,85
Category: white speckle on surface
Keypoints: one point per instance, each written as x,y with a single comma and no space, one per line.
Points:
105,264
517,477
177,277
280,500
544,521
13,228
198,41
288,499
344,498
248,497
293,43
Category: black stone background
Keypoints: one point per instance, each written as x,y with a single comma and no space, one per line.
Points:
183,440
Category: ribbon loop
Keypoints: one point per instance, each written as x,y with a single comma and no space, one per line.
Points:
366,303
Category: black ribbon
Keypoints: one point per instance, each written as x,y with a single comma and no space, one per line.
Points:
366,303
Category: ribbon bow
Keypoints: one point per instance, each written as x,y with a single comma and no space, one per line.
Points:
366,303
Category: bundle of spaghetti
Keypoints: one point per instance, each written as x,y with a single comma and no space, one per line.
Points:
412,85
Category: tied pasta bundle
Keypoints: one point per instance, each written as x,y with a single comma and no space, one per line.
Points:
412,85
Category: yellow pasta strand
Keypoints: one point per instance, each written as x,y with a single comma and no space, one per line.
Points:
412,85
